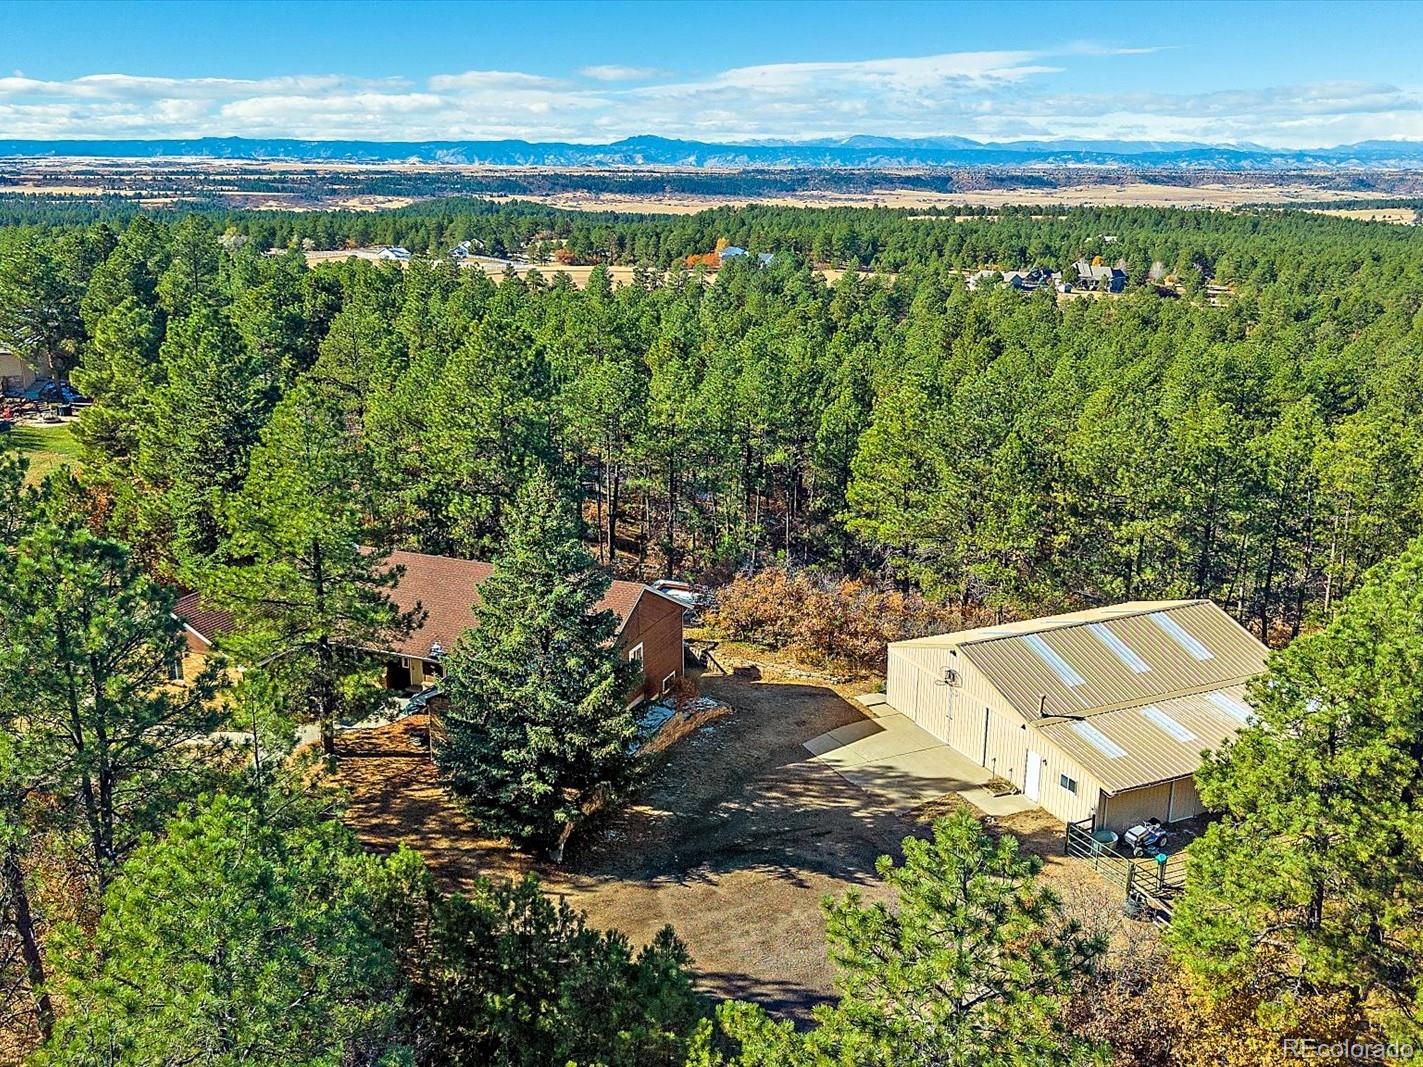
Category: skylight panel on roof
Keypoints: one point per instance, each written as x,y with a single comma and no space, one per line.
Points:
1236,709
1123,650
1098,740
1170,725
1059,666
1178,634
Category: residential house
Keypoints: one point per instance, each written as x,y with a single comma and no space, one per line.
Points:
1023,280
1098,715
442,593
730,252
394,253
460,252
15,374
1113,279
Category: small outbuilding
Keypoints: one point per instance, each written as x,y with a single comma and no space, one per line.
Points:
1099,715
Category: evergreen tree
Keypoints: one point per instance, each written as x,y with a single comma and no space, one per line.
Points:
39,305
235,940
1312,882
971,967
537,731
199,426
87,647
517,979
309,599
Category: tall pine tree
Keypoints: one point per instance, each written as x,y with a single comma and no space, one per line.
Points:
538,729
1311,884
308,598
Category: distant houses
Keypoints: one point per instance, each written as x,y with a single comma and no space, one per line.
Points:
1025,281
1090,276
394,253
465,250
724,254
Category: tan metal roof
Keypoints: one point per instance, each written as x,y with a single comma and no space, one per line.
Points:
1149,743
1099,668
1028,681
1046,622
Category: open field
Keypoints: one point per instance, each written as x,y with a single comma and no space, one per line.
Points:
1125,194
734,840
304,186
1399,216
46,448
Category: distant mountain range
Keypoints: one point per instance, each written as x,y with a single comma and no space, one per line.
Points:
863,151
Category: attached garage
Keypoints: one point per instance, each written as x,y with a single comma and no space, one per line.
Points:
1100,714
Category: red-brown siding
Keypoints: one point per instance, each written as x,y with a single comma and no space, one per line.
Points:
656,624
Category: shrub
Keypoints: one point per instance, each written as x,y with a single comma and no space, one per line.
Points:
843,623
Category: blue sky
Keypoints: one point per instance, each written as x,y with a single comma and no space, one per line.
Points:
1281,74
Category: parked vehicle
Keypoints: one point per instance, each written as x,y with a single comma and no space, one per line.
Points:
49,391
684,593
1146,838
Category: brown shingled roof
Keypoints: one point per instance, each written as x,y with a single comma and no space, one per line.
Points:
443,591
207,622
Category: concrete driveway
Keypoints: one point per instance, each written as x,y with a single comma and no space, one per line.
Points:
893,759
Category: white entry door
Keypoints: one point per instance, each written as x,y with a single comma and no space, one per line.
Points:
1031,773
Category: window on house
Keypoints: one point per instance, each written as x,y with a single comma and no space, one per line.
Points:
1070,784
175,669
667,682
635,654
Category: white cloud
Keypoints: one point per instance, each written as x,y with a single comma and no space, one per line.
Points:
490,79
988,95
611,72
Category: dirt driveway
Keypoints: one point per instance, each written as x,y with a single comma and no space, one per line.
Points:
734,839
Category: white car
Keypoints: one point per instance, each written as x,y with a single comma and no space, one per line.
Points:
681,592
